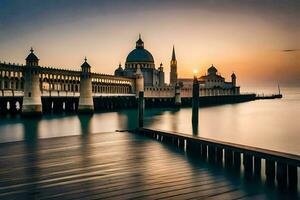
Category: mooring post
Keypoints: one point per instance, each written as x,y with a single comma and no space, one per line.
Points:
141,109
195,102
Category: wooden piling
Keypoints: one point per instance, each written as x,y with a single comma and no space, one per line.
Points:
281,175
211,153
270,171
219,155
237,160
195,102
228,158
141,109
248,165
181,143
257,166
292,177
204,151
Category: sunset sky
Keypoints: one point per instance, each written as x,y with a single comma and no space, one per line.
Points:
257,39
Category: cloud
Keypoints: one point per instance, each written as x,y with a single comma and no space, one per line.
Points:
290,50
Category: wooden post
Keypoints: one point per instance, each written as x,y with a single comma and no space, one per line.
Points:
219,152
228,158
211,153
281,175
195,102
237,160
181,143
293,177
248,165
270,171
141,109
204,151
257,166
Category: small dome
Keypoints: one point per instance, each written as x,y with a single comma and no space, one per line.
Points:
32,56
85,64
212,70
119,71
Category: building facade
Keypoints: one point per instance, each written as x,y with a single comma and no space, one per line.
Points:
213,83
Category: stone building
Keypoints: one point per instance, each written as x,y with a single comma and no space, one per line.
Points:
213,81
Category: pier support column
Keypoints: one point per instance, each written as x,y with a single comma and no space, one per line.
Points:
181,143
141,109
257,166
270,171
204,151
86,104
32,103
281,175
237,160
211,153
248,165
292,177
228,158
219,155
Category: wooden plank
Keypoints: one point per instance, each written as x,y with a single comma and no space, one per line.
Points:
109,166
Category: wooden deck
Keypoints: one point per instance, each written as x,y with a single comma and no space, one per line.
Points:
115,166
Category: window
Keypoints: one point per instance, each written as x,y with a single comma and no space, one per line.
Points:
29,94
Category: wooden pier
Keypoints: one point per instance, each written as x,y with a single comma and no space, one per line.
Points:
280,167
117,165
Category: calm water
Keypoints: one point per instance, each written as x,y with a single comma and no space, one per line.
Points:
272,124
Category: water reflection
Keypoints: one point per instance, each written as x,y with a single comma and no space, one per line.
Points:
251,123
30,132
85,124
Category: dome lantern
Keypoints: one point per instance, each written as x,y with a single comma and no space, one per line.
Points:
139,42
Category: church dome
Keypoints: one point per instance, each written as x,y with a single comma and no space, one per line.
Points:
140,54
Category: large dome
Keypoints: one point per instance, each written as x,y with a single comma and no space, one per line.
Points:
140,55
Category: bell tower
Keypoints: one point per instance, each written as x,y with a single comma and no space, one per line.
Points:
173,66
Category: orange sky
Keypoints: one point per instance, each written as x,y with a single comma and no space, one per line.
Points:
248,39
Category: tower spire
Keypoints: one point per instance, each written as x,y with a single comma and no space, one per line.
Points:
173,54
173,72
